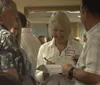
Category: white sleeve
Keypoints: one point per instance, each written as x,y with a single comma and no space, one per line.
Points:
40,61
93,57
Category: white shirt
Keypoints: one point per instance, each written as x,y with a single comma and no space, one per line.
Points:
90,57
31,45
51,52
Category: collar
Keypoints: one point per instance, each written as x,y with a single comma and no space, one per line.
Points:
92,30
3,27
52,43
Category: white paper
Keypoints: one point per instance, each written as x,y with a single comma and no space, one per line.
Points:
52,69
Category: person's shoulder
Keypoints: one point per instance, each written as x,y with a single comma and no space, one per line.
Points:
95,38
5,34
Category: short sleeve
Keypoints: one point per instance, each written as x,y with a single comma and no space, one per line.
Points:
93,57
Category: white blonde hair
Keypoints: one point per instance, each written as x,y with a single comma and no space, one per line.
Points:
62,19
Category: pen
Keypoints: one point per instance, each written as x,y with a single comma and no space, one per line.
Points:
47,59
49,62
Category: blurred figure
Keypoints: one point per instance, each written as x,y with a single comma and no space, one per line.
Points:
30,44
10,60
60,50
42,39
87,70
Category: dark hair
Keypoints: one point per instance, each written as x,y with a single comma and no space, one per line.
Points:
42,36
92,6
22,19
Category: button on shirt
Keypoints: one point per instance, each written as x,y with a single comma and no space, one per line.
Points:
51,52
90,56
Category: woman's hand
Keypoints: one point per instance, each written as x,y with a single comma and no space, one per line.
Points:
45,76
50,62
65,69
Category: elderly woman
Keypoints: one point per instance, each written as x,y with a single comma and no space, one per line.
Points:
60,50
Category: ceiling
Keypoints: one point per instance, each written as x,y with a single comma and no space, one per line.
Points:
28,3
43,16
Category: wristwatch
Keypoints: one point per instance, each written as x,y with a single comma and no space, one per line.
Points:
70,74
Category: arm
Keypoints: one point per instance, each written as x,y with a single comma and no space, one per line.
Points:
86,77
40,61
90,74
81,75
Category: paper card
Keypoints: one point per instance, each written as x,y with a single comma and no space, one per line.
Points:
52,69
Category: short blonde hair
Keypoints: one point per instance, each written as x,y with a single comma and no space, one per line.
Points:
61,19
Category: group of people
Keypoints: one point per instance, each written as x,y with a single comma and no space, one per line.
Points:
21,53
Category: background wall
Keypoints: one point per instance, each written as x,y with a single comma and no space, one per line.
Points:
39,29
26,3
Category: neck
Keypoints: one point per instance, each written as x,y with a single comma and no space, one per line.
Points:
92,23
61,42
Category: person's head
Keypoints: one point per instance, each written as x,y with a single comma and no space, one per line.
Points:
22,19
8,13
90,13
59,26
20,22
42,39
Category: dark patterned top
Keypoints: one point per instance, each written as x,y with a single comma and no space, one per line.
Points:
10,55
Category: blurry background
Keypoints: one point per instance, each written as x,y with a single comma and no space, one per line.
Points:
38,12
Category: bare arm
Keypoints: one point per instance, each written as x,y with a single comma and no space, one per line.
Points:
86,77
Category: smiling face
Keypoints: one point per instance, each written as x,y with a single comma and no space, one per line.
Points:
60,33
59,27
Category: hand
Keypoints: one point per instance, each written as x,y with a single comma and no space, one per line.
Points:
50,62
65,69
45,76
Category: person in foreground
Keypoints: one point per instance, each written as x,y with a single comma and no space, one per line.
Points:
87,70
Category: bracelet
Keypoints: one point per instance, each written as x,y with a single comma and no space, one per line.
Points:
70,74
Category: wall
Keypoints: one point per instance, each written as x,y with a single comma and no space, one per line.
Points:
24,3
39,29
81,31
